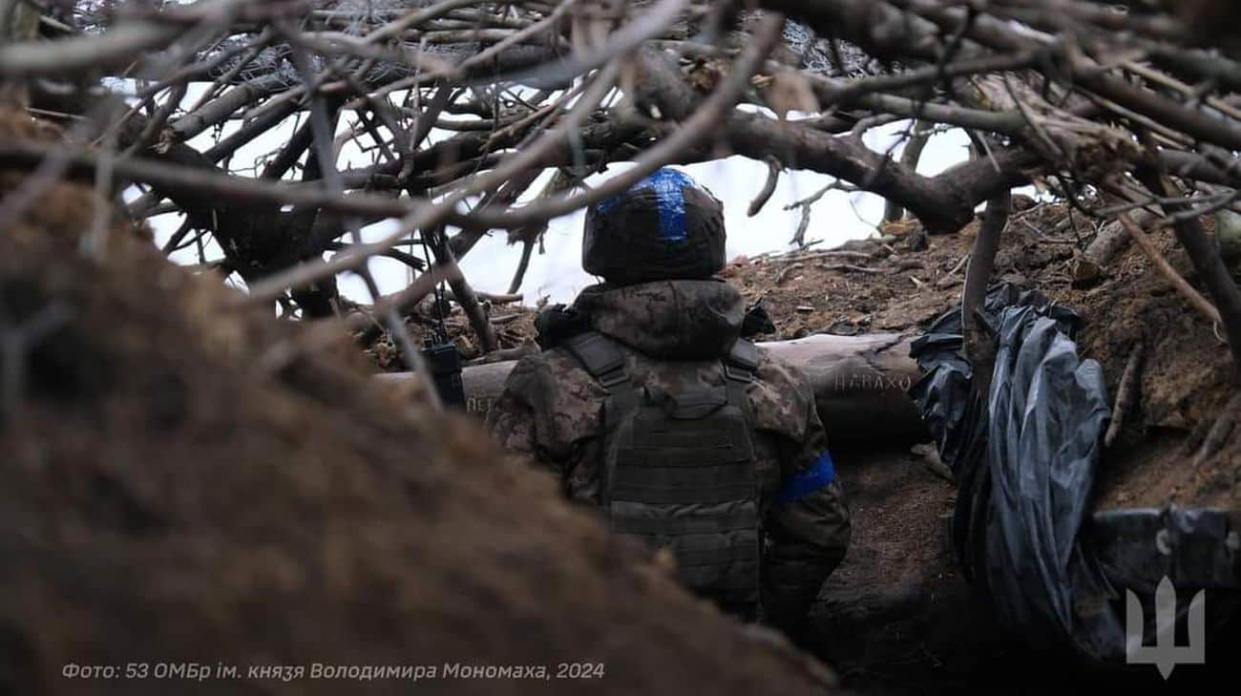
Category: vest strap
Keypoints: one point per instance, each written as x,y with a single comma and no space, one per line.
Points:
600,356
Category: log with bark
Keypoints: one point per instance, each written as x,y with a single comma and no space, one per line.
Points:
861,384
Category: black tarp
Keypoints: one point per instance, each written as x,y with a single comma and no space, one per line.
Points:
1025,464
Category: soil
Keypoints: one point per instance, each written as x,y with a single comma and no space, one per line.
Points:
187,479
897,616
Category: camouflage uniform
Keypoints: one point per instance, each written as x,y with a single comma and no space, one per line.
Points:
673,332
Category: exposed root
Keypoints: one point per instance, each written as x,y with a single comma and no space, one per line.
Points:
1220,432
1127,394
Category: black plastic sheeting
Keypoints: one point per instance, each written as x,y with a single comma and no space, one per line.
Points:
1025,463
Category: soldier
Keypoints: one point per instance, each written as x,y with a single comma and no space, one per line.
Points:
650,406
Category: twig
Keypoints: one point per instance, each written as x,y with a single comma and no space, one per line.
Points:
402,302
910,156
523,264
696,128
1220,431
849,268
1127,394
326,160
432,215
786,271
95,243
489,297
464,295
829,253
799,237
769,187
960,264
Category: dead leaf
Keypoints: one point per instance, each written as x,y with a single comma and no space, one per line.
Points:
790,91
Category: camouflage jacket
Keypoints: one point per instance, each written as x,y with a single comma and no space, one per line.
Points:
551,411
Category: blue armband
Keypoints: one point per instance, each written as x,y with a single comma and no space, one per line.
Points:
818,475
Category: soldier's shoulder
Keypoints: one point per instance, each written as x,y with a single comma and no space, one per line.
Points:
781,396
563,399
552,363
779,372
552,376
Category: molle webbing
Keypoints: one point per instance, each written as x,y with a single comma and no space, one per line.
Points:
680,469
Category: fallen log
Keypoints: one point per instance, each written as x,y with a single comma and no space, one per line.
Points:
860,384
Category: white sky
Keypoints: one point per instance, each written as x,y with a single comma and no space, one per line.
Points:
556,273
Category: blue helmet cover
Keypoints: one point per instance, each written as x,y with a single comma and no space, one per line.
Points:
668,185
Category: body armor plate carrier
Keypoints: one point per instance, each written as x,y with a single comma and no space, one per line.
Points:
680,470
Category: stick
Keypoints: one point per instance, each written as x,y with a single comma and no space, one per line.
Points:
1219,433
977,275
402,301
1126,394
464,295
769,187
848,268
522,266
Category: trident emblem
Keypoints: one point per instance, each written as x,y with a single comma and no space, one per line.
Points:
1165,654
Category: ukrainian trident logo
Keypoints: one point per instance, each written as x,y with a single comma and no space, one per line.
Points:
1165,654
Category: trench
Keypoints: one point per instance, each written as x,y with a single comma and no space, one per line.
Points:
897,617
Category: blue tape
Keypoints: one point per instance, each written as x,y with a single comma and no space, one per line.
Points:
668,185
818,475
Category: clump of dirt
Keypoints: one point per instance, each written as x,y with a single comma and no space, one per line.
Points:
188,480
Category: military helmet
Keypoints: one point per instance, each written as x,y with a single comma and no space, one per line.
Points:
665,227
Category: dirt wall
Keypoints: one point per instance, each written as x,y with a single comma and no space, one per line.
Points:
187,480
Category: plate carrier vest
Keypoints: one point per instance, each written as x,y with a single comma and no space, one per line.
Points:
680,472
